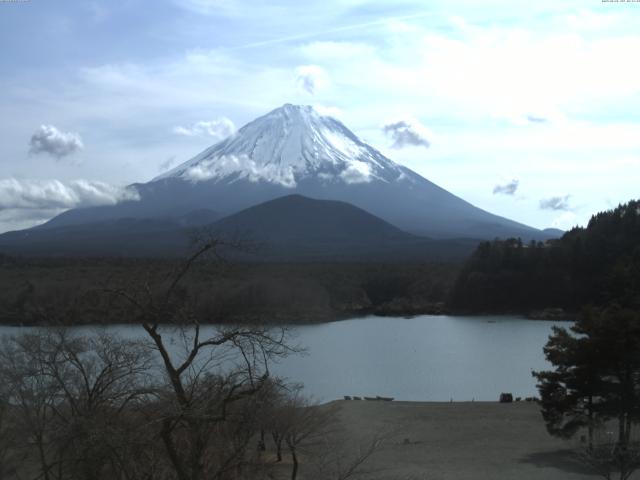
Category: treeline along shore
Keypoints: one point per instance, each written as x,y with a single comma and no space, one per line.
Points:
595,265
80,291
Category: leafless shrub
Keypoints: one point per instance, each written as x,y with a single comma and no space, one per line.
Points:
69,396
608,457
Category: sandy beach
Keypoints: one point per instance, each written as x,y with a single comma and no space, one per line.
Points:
468,440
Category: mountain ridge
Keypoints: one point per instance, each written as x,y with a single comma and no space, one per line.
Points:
290,228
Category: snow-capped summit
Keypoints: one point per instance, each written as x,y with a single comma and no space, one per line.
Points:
286,145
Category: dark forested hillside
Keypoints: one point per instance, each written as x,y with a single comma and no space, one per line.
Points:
595,265
292,228
79,291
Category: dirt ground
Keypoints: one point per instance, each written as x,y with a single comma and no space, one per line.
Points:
471,440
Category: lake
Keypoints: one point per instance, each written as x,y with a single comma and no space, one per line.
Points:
424,358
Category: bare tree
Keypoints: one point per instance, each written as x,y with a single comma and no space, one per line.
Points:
315,439
608,458
33,397
305,425
69,394
217,372
8,434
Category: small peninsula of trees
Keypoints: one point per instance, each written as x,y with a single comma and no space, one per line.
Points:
597,265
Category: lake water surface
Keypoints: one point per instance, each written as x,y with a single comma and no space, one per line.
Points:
425,358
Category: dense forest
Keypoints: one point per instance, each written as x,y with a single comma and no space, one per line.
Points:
81,291
596,265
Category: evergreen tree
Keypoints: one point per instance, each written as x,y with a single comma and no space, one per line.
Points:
597,265
596,379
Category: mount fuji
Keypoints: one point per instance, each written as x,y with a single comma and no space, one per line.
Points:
338,198
295,150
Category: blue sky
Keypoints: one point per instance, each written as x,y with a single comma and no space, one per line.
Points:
531,109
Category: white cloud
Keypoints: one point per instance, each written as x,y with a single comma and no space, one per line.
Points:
507,188
221,167
218,129
556,203
311,78
356,172
54,194
25,203
407,132
512,71
48,139
19,219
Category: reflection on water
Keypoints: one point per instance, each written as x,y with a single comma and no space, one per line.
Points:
430,358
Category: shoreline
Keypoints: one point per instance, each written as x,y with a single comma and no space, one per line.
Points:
299,323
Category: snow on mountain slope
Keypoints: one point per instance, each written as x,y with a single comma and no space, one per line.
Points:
285,146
